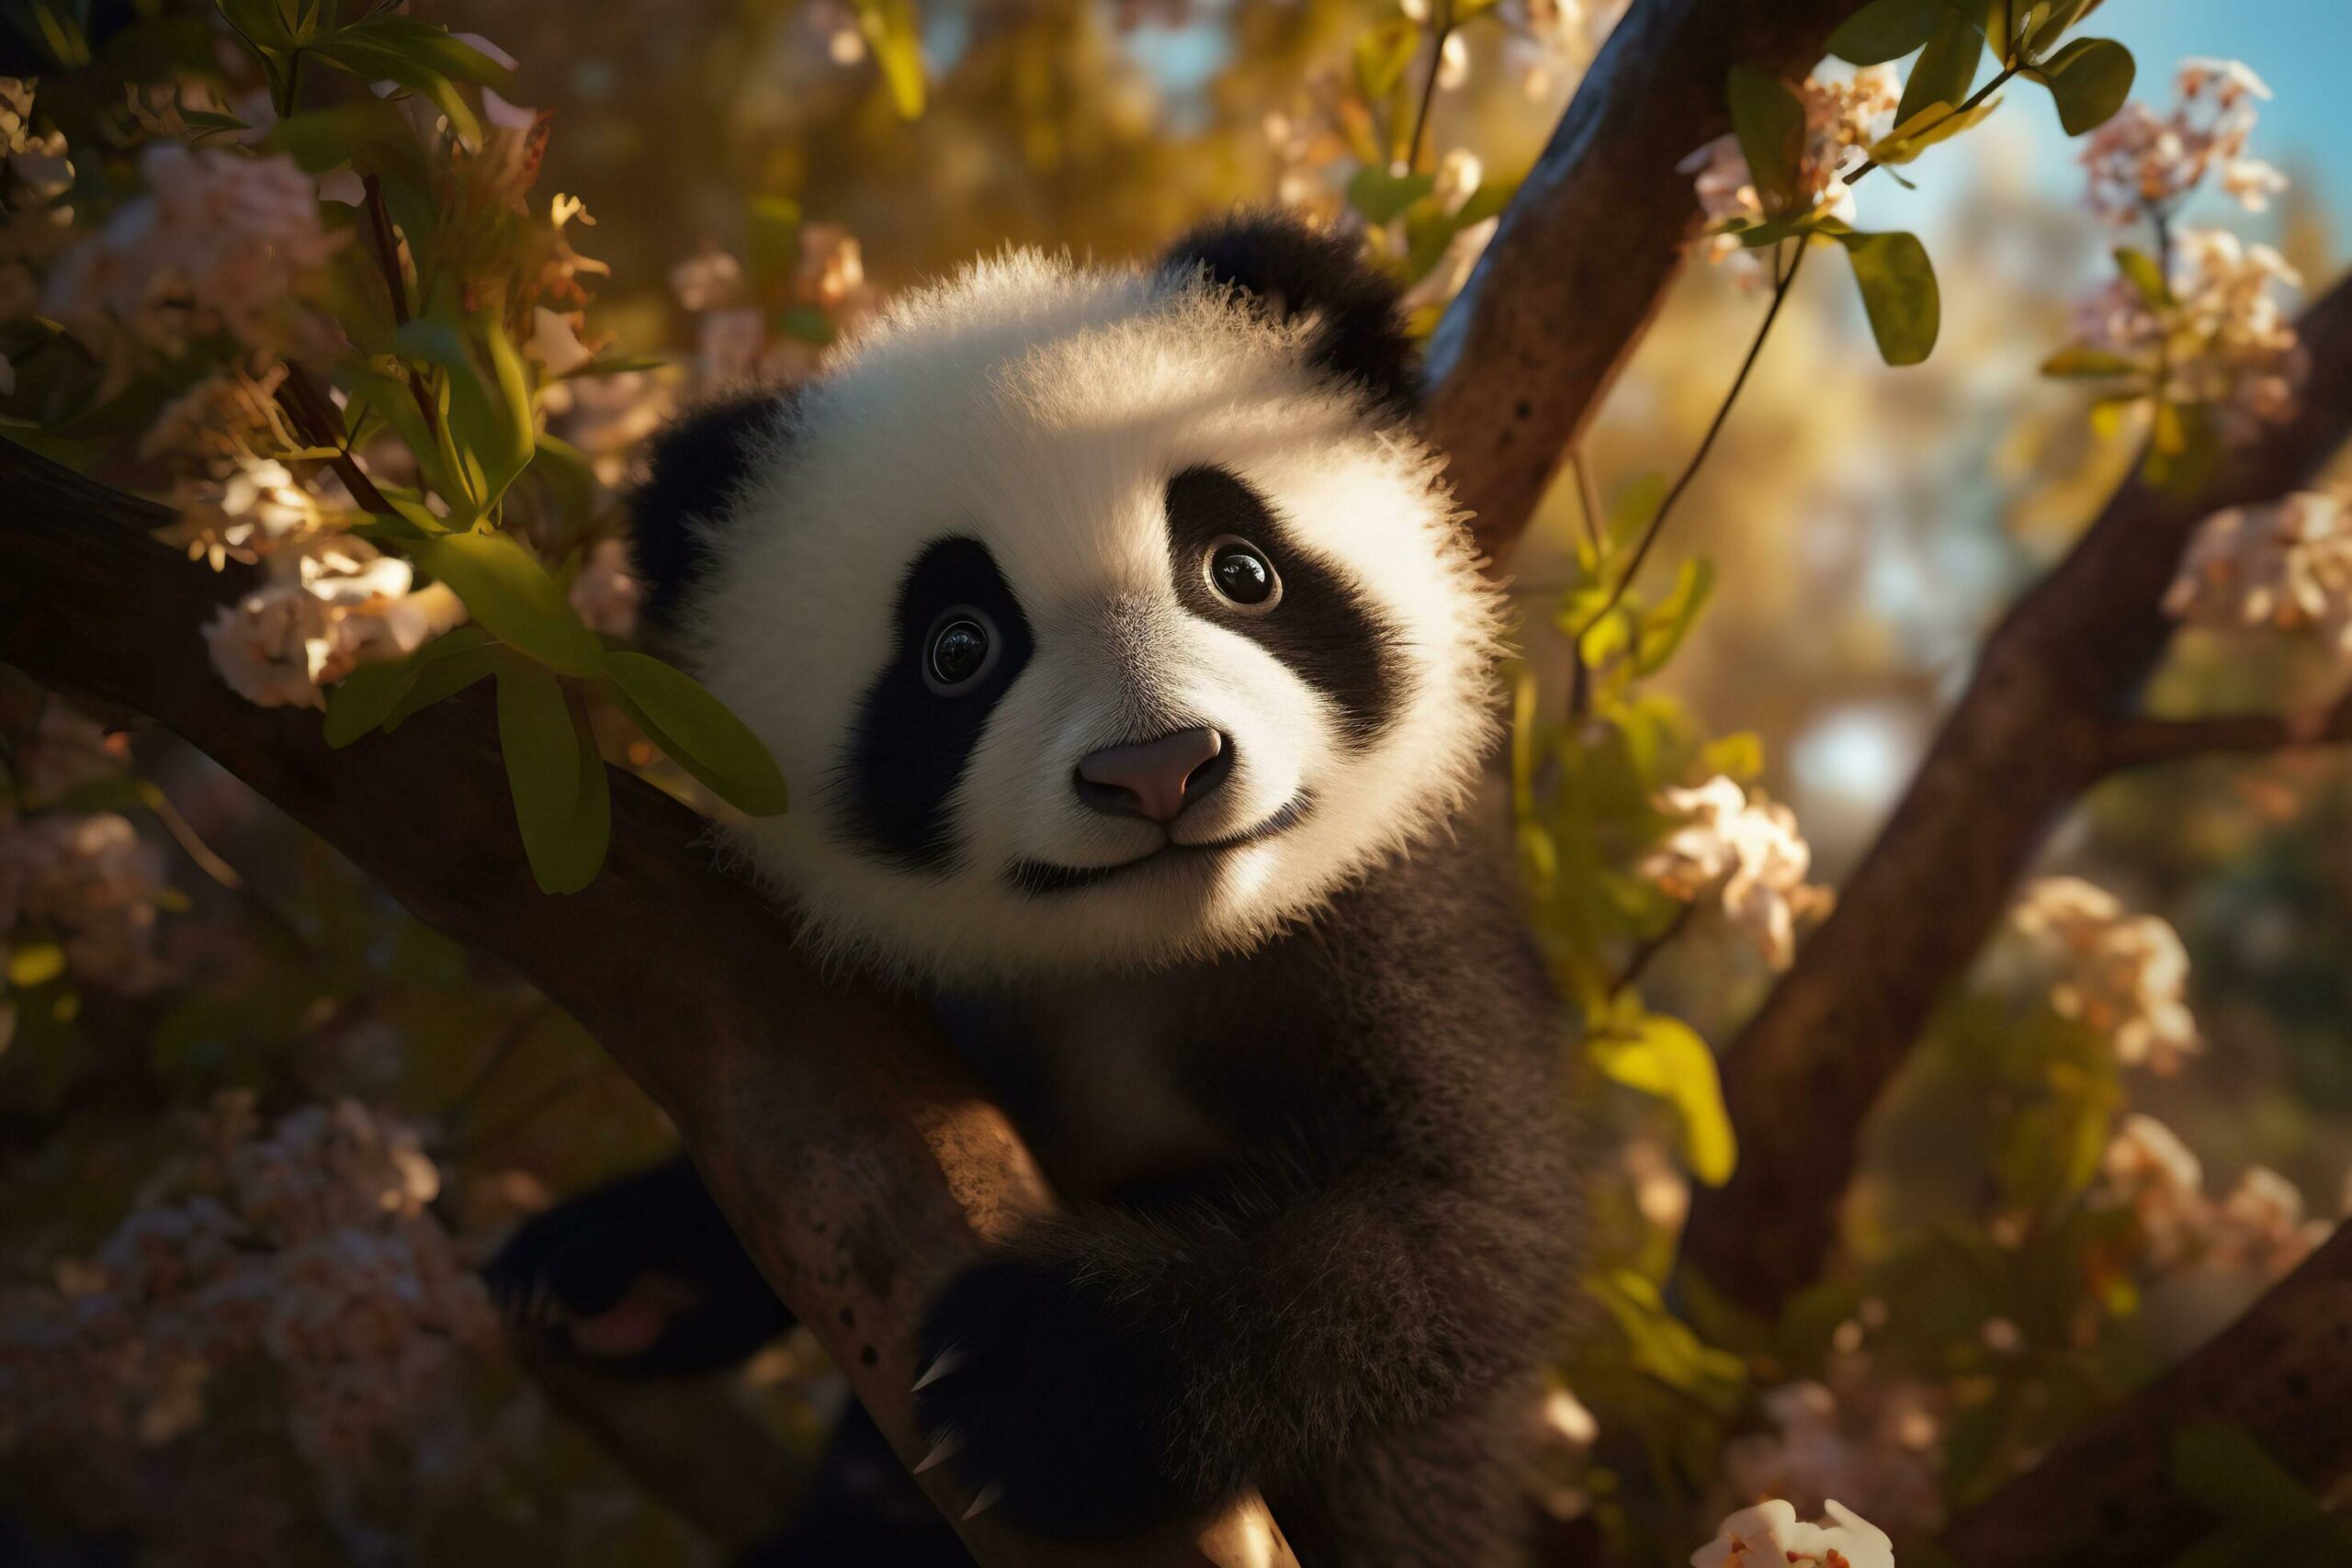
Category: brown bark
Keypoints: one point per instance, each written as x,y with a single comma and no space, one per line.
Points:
859,1166
2104,1497
1584,255
2043,719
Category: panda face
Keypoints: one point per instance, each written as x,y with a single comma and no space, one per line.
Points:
1094,626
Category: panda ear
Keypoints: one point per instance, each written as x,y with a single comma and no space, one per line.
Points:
692,469
1293,271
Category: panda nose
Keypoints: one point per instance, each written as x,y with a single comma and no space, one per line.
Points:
1155,779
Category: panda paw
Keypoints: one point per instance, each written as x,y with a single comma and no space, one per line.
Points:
1050,1409
641,1277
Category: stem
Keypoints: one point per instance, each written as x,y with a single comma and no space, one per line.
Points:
1975,98
388,260
320,422
1587,496
1706,444
1428,86
1653,947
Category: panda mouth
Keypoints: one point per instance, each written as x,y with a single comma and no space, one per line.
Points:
1038,877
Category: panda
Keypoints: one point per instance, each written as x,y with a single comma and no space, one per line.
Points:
1133,670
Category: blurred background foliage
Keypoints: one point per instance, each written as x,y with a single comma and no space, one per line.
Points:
1864,526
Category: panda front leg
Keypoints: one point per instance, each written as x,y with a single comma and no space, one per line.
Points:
1120,1367
641,1276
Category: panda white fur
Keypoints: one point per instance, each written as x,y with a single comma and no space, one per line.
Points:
1131,667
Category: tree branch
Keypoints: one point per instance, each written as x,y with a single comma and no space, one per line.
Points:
847,1147
2140,743
1584,254
2104,1497
2028,736
689,1442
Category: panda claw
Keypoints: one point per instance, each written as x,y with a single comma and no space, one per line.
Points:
989,1497
947,1361
941,1452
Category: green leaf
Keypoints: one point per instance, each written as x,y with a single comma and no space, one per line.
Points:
2223,1470
1886,29
373,693
1665,624
1383,52
562,802
697,732
373,62
1665,1057
35,963
491,434
2000,28
1768,119
2076,363
1898,286
2090,80
1380,195
2183,448
1936,122
894,33
1946,68
2046,22
2146,274
444,679
508,591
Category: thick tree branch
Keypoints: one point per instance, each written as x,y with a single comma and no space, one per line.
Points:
1584,254
2104,1497
689,1442
2140,743
859,1166
2027,739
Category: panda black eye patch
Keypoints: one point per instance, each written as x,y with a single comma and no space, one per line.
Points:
1221,535
960,640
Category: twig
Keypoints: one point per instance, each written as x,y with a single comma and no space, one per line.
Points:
1650,950
388,260
1782,282
320,422
1443,31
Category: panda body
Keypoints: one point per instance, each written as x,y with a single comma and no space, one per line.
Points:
1133,672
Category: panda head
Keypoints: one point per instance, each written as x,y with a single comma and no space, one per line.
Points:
1099,619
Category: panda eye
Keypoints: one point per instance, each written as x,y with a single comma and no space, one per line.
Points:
960,648
1242,576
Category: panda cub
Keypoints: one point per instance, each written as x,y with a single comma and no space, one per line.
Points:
1133,670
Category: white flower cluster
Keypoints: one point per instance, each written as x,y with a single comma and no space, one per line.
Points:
2142,163
222,241
2125,975
1747,853
2226,343
1769,1534
2286,565
732,334
332,602
34,172
34,169
311,1245
88,882
1877,1442
2226,340
1841,119
2258,1229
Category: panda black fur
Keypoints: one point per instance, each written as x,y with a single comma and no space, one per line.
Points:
1271,1027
